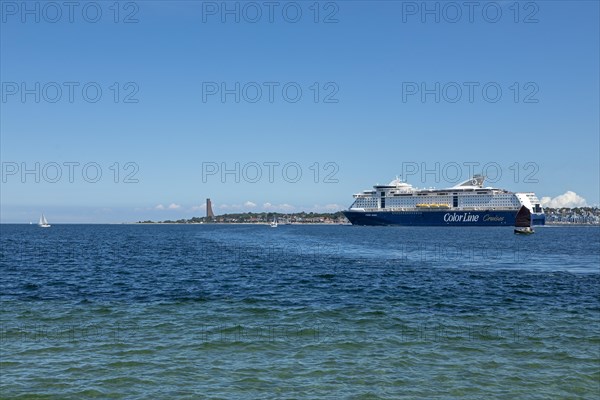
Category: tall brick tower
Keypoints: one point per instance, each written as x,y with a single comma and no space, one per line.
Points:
209,211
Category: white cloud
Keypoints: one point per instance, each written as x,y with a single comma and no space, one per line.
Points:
267,206
332,207
171,206
568,199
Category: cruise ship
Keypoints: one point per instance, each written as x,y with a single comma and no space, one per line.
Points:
466,204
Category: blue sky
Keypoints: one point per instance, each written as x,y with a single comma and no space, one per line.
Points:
366,123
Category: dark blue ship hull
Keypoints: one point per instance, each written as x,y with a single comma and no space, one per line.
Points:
439,218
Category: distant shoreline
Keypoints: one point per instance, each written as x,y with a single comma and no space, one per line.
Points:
579,216
232,223
553,224
324,223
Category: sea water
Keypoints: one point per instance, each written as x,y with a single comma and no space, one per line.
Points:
248,311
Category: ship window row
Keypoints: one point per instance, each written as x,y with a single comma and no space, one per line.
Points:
474,201
462,195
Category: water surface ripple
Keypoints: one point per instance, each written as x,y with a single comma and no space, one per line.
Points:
242,311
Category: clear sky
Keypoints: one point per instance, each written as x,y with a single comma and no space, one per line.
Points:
387,88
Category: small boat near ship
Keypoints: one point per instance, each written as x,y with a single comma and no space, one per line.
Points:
523,222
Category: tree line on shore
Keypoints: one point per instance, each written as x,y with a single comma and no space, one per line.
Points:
263,217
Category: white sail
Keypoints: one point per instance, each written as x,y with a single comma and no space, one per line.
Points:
43,222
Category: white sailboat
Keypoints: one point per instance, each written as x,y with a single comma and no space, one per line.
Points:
43,223
274,223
